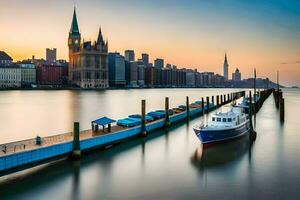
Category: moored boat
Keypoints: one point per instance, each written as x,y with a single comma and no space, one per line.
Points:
224,126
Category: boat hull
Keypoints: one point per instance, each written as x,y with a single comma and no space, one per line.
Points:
212,135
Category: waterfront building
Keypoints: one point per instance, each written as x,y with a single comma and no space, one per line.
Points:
141,73
225,67
116,65
88,62
10,76
145,59
236,76
5,59
51,55
129,55
159,63
54,73
28,73
149,76
131,73
190,78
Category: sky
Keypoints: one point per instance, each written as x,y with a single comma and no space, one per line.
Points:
261,34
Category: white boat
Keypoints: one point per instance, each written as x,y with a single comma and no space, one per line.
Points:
224,126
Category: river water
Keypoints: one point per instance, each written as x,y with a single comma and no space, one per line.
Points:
168,164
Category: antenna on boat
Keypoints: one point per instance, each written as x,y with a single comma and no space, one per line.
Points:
254,98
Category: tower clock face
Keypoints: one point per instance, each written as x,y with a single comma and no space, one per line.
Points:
76,41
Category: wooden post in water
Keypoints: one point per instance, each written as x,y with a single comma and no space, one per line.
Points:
167,119
252,134
207,105
228,98
202,105
213,100
281,109
221,100
224,100
187,108
218,103
143,125
76,153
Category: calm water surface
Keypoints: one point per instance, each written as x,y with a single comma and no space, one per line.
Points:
168,164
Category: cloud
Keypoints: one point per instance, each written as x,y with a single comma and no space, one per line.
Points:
285,63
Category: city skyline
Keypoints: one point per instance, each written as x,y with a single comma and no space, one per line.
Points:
267,40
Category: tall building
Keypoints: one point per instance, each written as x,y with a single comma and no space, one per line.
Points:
88,62
159,63
116,65
131,73
51,55
129,55
225,66
145,58
236,76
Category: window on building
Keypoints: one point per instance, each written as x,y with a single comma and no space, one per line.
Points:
229,120
224,120
218,119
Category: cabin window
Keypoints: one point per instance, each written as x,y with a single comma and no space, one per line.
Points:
229,120
234,119
213,119
218,119
224,119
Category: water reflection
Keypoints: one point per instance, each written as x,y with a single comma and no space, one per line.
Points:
205,157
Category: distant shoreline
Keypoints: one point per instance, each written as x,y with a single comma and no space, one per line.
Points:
122,88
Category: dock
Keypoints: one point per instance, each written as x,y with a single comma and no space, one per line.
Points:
24,154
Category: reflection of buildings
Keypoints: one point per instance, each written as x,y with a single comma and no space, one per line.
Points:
88,63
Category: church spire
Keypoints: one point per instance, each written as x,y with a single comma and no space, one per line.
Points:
74,27
100,37
225,61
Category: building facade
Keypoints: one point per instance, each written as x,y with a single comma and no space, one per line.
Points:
51,73
10,76
88,62
28,74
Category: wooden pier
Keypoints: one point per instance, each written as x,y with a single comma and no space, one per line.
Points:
27,153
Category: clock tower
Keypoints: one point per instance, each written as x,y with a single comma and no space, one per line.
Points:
74,35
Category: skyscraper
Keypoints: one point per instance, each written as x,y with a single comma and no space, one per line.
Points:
225,67
88,62
159,63
145,58
129,55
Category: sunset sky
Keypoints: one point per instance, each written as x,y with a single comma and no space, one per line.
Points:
192,33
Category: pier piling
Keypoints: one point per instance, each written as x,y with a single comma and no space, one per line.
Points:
202,105
218,101
187,108
221,100
207,105
143,125
281,109
76,153
167,119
